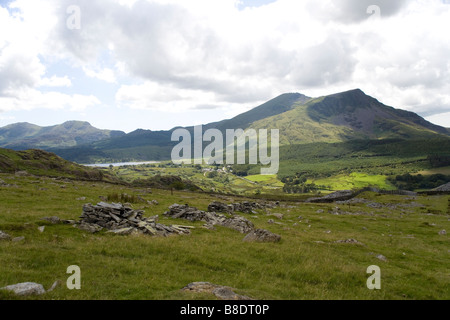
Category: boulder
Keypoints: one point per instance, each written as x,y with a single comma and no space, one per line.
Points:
260,235
237,223
26,289
53,220
4,236
221,292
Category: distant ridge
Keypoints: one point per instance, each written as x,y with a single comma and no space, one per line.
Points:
21,136
346,116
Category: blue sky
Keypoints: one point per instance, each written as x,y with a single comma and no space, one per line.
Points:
157,64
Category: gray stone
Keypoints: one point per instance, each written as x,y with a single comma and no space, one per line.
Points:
221,292
54,285
238,223
381,257
350,241
4,236
442,232
54,220
41,229
18,239
26,289
124,231
123,220
260,235
92,228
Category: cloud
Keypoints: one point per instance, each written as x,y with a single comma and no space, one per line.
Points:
55,81
178,55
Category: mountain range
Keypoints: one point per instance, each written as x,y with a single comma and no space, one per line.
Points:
340,117
23,135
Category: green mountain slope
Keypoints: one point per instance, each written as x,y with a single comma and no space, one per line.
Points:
157,145
350,115
20,136
43,163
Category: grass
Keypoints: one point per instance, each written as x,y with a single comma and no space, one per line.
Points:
306,264
355,180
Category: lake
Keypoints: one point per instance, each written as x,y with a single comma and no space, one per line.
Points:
119,164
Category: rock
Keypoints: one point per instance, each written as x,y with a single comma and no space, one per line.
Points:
54,220
21,173
41,229
221,292
26,289
381,257
123,231
18,239
442,233
220,207
320,211
81,199
121,219
277,215
351,241
4,236
270,221
92,228
238,223
54,285
260,235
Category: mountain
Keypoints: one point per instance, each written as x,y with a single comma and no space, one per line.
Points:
336,118
350,115
157,145
20,136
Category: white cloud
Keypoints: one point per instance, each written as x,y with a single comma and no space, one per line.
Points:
205,54
105,74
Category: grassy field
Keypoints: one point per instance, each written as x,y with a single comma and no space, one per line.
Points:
355,180
306,264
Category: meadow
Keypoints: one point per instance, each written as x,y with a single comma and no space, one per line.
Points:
308,263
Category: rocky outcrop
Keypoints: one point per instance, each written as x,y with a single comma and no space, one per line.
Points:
4,236
123,220
260,235
237,223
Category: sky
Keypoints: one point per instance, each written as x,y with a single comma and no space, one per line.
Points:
158,64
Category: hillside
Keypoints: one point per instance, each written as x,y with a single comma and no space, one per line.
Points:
21,136
345,116
43,163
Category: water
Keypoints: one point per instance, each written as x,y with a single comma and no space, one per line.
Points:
119,164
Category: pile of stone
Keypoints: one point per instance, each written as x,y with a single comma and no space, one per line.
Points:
244,207
120,219
237,223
